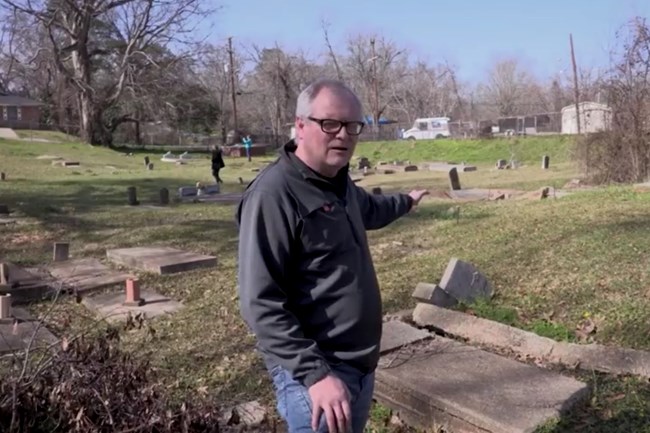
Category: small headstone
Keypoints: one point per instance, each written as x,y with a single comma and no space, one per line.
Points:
376,190
241,181
61,251
132,196
4,274
4,209
164,196
410,168
464,282
501,164
150,166
454,180
545,162
146,161
187,191
3,176
433,294
212,189
364,163
5,307
133,298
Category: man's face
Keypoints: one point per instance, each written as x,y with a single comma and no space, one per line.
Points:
328,152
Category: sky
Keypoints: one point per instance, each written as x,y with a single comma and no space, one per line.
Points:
469,34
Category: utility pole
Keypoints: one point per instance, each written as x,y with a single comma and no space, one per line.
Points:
575,83
233,90
375,113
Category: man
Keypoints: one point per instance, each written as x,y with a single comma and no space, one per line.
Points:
307,284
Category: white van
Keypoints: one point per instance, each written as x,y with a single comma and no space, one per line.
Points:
428,128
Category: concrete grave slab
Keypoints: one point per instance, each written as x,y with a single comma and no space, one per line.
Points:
233,197
84,275
110,306
396,334
464,389
464,281
64,163
16,336
161,260
397,168
7,221
445,167
606,359
24,286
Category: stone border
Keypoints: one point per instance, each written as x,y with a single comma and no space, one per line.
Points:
606,359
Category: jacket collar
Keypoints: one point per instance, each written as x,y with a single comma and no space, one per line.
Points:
309,188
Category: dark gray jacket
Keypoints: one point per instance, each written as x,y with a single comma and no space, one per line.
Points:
307,284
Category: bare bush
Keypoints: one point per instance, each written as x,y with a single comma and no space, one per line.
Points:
623,153
91,386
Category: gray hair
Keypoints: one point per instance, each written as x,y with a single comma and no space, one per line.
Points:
307,96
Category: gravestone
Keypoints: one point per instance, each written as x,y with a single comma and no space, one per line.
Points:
164,196
161,260
376,190
364,163
5,307
85,275
501,164
212,189
454,180
464,282
146,161
443,382
61,251
132,196
4,274
22,331
150,166
433,294
3,176
545,162
187,191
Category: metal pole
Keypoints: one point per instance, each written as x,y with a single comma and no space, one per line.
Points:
232,86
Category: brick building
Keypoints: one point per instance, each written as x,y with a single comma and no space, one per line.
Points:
19,112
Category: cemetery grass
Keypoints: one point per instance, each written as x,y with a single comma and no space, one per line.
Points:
553,263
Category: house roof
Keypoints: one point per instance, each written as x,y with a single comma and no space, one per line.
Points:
18,101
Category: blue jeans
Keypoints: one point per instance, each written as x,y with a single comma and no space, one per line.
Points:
295,407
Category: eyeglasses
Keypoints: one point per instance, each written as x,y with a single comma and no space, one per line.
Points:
331,126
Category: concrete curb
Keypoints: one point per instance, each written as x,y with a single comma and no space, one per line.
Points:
606,359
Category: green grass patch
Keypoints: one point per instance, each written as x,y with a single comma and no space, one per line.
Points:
549,261
524,149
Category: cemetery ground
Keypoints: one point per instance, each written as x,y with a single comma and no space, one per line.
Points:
572,268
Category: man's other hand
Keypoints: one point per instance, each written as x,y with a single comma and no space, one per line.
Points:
331,397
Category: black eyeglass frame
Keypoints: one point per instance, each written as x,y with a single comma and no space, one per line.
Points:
341,124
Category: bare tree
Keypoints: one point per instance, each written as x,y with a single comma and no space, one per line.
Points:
622,153
95,44
374,62
506,87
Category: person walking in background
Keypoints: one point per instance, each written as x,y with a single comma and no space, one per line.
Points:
307,283
248,143
217,163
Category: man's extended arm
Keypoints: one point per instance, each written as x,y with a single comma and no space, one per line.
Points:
378,210
265,238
